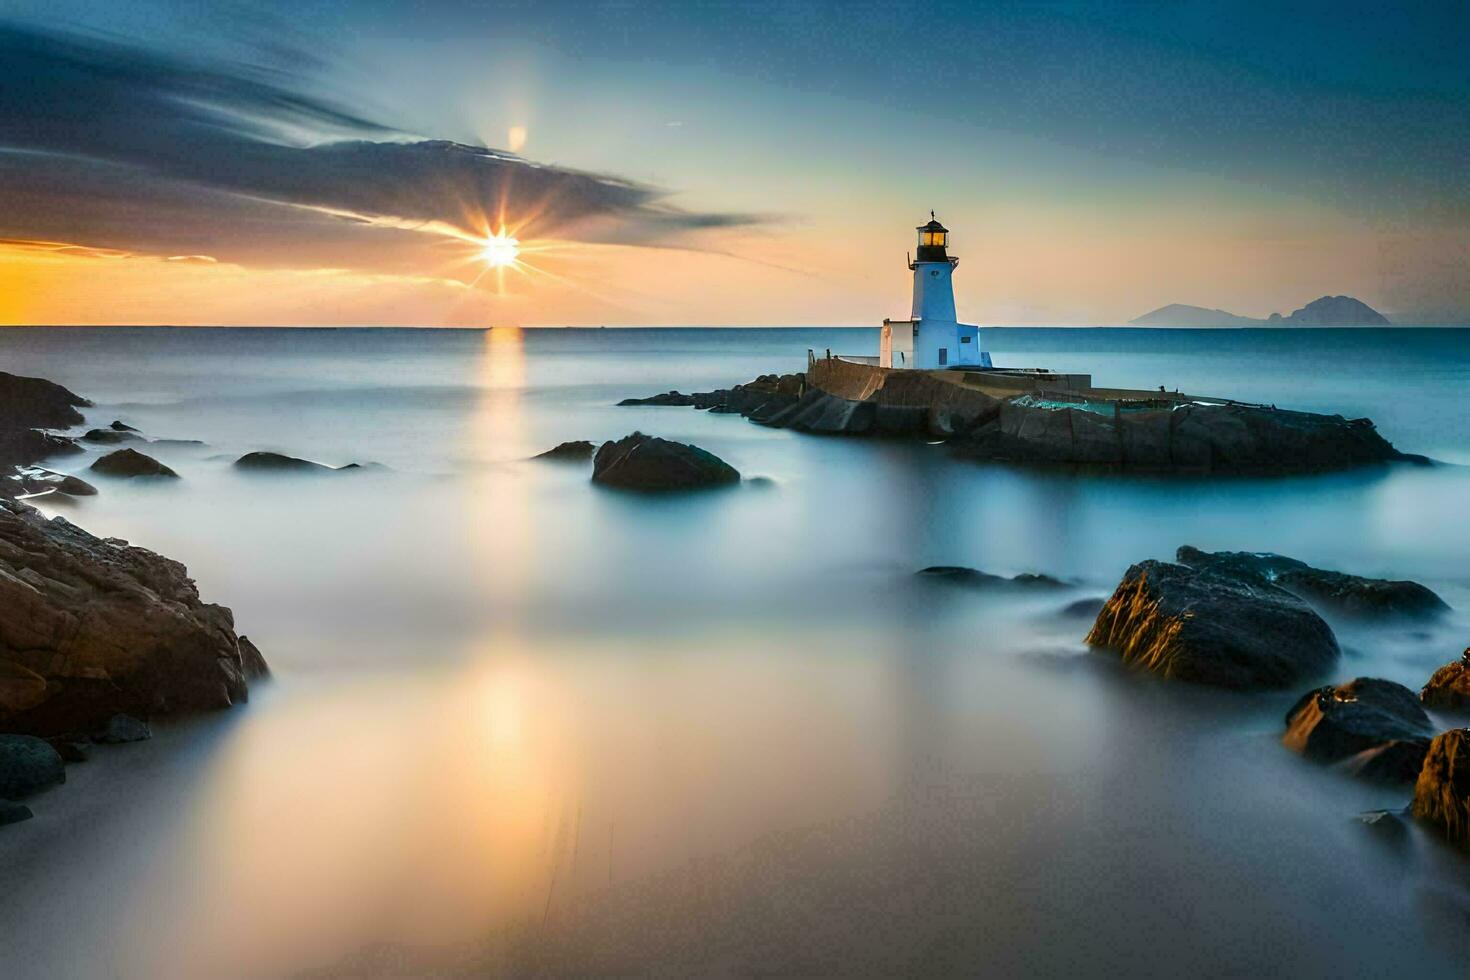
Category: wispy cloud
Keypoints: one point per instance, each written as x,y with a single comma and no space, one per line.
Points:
121,148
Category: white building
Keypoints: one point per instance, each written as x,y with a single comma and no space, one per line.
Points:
932,337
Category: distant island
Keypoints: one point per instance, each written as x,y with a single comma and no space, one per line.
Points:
1329,311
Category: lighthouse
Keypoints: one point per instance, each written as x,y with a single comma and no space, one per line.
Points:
932,338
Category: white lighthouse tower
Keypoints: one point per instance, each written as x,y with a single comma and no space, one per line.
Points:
932,338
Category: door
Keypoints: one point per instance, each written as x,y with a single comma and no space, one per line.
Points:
943,355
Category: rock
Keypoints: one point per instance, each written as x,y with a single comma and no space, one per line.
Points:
641,462
111,436
1442,793
278,463
1375,728
1386,825
121,426
71,750
92,628
569,452
28,765
1199,626
1449,688
1084,608
19,447
37,403
672,398
13,812
128,463
974,578
123,728
1347,595
35,479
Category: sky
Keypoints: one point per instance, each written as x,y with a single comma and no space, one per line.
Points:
698,163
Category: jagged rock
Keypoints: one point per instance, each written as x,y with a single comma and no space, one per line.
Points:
121,426
91,628
578,451
128,463
1196,625
109,436
13,812
1449,688
1192,437
976,579
641,462
672,398
123,728
1442,792
37,403
1349,595
28,765
1373,728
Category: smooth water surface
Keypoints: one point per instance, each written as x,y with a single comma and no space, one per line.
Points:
520,723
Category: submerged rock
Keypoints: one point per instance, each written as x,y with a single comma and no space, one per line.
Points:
28,765
1083,608
123,728
1195,625
265,462
577,451
91,628
1449,688
1374,728
121,426
672,398
1348,595
974,578
1442,793
13,812
128,463
642,462
35,479
106,436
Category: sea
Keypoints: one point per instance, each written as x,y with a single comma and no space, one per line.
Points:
518,723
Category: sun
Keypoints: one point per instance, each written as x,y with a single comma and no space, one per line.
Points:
499,250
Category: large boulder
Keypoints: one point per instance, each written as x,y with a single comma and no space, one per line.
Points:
1338,592
37,403
1196,625
129,463
1373,728
1442,793
91,628
642,462
1449,688
28,765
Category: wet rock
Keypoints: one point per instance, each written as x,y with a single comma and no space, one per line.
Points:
123,728
578,451
121,426
38,403
1195,625
974,578
28,765
91,628
1084,608
1449,688
106,436
1374,728
129,463
1388,826
642,462
1338,592
35,479
13,812
1442,793
670,398
265,462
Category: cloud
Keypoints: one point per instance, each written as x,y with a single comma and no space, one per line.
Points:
128,149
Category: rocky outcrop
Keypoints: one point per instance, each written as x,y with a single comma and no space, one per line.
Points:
35,479
577,451
973,578
91,628
1336,311
1337,592
669,398
1442,792
1449,688
26,406
1189,438
28,765
1372,728
1196,625
641,462
111,436
129,463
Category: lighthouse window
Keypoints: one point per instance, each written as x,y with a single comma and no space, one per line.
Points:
965,340
932,238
